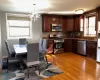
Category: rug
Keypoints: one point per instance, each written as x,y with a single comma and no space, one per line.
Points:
52,70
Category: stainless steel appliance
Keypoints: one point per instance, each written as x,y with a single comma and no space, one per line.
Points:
98,43
56,27
59,45
82,47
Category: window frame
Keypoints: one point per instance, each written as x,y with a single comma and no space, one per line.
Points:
8,27
87,17
82,18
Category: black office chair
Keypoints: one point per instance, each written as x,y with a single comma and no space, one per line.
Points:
11,56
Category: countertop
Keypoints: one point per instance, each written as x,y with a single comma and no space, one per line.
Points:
76,39
82,39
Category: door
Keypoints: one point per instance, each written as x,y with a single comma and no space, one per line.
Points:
68,45
74,44
45,24
69,24
76,23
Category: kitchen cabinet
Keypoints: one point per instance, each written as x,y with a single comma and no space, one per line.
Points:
55,19
68,45
69,24
50,19
74,45
77,23
99,14
91,49
45,24
64,26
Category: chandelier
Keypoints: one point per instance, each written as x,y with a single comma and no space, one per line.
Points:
34,15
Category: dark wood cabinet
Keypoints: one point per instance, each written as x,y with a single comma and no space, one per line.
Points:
55,19
68,45
99,14
64,25
45,23
74,45
69,24
77,23
91,49
50,19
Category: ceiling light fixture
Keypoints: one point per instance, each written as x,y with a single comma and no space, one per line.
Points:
34,15
79,11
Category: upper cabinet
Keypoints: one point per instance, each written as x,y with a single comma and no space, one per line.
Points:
99,14
45,24
76,23
50,19
69,23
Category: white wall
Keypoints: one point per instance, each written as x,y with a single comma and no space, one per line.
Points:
36,29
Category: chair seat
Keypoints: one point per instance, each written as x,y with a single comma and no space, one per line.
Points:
33,63
13,60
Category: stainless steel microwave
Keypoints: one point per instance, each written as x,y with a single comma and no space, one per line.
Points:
56,27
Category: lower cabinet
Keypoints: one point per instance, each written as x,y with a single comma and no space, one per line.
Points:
67,45
70,45
74,45
91,49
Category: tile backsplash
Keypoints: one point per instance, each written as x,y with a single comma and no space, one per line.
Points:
64,34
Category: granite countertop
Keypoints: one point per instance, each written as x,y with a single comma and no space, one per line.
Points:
82,39
77,39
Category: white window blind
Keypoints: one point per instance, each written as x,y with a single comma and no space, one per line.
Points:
18,27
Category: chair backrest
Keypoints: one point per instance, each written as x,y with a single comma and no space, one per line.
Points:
40,45
22,41
7,47
44,44
32,52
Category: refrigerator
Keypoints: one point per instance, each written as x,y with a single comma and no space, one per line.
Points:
98,43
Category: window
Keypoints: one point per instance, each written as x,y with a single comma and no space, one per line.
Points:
18,26
89,26
81,24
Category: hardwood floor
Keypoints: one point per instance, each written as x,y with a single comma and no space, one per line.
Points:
75,67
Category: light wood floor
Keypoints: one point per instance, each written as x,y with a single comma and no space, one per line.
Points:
75,67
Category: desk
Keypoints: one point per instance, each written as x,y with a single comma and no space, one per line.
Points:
20,49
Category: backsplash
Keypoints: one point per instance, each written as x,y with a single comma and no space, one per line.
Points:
64,34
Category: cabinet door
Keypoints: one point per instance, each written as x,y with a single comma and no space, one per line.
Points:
46,24
99,14
91,49
74,46
68,45
55,19
76,23
51,19
64,25
69,24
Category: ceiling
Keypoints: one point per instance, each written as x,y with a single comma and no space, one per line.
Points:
48,6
